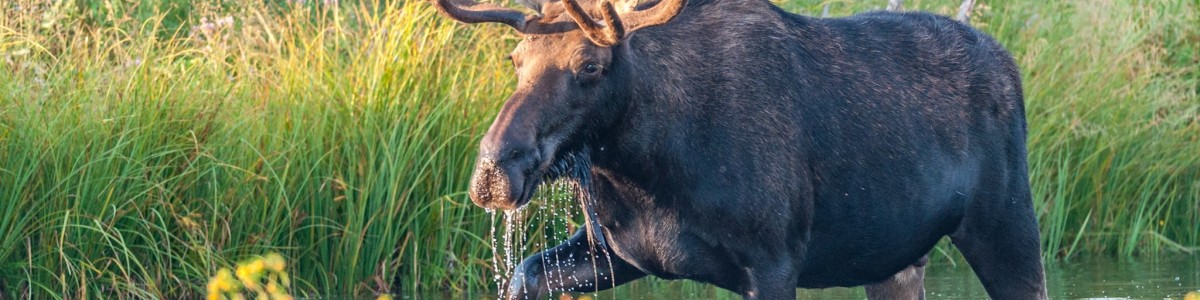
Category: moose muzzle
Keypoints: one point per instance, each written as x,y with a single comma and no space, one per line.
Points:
505,171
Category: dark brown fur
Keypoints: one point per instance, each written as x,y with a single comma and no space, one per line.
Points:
758,150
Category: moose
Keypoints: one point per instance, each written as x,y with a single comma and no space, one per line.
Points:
733,143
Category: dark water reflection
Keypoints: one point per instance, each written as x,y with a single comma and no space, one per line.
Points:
1107,278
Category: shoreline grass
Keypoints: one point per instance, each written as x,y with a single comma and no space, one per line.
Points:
145,146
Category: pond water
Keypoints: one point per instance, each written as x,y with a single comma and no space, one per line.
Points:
1107,278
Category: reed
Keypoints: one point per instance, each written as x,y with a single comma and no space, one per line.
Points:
145,145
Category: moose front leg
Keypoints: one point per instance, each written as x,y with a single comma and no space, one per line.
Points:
770,280
577,265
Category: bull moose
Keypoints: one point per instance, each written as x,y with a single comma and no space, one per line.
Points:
734,143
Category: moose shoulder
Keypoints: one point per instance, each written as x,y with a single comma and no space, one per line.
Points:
733,143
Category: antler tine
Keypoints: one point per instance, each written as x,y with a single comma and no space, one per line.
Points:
617,26
612,22
607,35
661,13
468,11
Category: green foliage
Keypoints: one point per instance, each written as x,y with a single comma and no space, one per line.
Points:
146,144
137,165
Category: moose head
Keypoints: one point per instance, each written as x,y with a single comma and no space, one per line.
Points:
571,70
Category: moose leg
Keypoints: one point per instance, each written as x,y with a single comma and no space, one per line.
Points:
770,281
999,239
577,265
907,284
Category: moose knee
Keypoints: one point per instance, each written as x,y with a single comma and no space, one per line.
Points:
526,280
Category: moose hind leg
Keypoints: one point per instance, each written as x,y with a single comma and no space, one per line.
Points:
908,284
576,265
999,238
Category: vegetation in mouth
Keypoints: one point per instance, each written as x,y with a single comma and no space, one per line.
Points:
573,167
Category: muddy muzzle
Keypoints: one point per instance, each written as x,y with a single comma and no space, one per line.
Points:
503,184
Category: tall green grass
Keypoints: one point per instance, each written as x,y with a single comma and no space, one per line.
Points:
1114,118
137,159
144,145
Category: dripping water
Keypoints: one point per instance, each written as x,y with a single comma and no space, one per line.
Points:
562,206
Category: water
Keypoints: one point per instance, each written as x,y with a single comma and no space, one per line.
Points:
550,218
1166,278
1097,278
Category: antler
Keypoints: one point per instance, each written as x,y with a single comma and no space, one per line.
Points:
608,34
617,26
661,13
468,11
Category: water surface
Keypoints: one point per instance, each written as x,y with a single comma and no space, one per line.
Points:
1096,278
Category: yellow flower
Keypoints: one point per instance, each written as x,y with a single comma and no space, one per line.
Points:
251,269
384,297
213,287
259,278
272,287
250,273
1193,295
223,282
275,262
255,267
220,284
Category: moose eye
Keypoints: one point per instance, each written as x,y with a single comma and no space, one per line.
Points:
592,68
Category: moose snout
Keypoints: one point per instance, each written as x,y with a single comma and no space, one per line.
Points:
508,157
502,181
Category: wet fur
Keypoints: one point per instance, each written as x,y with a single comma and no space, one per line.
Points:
759,151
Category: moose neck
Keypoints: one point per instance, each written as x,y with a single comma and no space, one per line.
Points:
652,126
685,83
